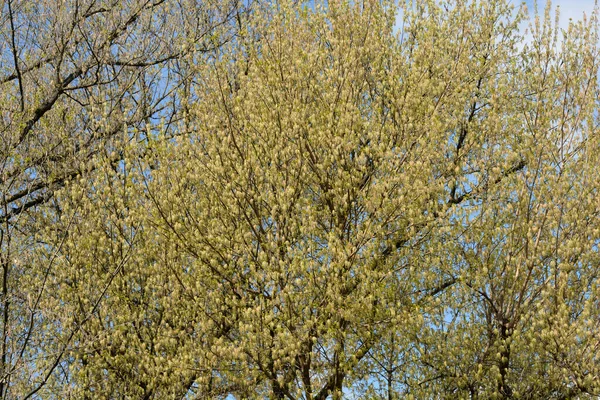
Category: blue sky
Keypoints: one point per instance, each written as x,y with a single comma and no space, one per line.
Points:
568,8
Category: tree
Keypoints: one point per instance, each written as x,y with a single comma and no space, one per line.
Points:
73,76
334,206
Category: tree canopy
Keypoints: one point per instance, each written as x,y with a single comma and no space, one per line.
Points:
298,200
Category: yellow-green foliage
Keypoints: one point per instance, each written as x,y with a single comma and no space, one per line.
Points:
355,199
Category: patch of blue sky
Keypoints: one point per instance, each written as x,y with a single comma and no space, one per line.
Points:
568,10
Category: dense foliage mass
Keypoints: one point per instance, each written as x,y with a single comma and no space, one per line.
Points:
298,200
